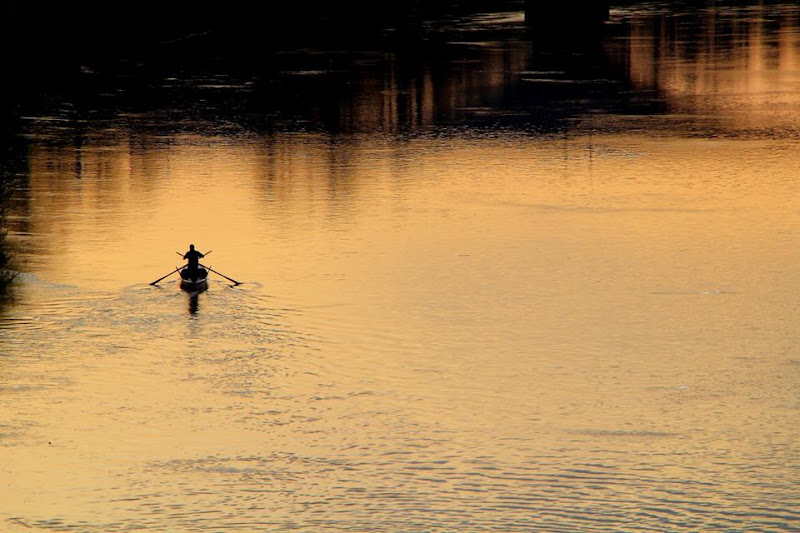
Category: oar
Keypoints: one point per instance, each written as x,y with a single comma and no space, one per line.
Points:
208,252
223,275
168,275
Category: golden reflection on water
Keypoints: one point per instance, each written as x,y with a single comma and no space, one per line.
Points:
475,332
740,66
526,307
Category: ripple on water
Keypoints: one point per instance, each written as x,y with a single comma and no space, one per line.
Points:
320,456
426,489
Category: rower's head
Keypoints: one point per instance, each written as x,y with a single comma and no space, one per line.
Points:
191,246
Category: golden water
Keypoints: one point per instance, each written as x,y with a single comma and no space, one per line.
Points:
471,330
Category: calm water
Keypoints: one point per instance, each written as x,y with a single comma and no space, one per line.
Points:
489,285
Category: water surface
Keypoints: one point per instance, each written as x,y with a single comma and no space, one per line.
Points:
497,285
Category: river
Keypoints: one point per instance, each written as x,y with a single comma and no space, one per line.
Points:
488,284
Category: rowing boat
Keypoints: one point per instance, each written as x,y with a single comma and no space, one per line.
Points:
198,283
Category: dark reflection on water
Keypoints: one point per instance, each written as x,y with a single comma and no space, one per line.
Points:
469,71
13,171
483,73
479,316
732,67
194,304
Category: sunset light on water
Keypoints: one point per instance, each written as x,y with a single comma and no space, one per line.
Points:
489,283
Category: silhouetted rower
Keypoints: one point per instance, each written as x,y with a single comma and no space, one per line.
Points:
193,256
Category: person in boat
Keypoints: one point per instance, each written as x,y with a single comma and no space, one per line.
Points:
193,256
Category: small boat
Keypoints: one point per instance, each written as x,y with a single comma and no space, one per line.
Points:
198,283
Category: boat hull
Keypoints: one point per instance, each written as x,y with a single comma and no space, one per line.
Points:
196,283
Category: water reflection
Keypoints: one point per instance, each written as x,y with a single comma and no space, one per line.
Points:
13,170
491,285
730,66
735,69
193,303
